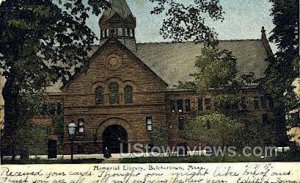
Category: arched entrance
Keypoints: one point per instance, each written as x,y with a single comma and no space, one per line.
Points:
115,138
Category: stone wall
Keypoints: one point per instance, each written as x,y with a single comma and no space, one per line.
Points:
126,69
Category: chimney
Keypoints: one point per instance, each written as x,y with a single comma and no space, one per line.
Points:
265,42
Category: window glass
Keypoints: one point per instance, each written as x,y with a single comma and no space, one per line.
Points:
187,105
120,32
207,102
131,32
107,33
172,105
200,104
244,103
180,105
256,103
81,126
264,101
181,123
99,95
128,95
149,123
271,103
114,93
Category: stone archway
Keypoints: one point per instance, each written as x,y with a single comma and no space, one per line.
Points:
115,139
121,127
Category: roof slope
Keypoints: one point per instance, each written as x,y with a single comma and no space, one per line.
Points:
118,6
174,62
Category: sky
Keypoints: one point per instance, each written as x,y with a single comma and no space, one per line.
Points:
243,20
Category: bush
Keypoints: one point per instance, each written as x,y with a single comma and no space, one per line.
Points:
159,136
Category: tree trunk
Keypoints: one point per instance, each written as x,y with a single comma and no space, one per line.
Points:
11,110
280,123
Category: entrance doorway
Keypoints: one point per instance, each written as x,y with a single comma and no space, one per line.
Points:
115,139
52,149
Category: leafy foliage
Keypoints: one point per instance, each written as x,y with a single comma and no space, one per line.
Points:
33,138
215,128
159,136
284,65
188,22
40,43
217,69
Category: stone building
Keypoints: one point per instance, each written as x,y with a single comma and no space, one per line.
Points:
129,87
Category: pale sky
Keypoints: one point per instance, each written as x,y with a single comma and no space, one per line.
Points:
243,20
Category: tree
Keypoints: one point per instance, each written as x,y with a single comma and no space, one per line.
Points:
216,70
215,129
159,136
188,22
283,66
40,44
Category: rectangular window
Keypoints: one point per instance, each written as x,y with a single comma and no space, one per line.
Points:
180,105
131,32
172,105
200,104
149,123
107,33
124,31
271,103
264,102
256,103
207,102
80,126
265,119
181,123
127,32
244,103
187,105
120,32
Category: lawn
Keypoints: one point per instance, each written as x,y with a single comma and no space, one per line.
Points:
287,157
39,161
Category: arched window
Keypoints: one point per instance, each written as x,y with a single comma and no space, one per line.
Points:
99,95
113,93
128,95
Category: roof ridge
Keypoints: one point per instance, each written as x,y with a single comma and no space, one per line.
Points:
170,42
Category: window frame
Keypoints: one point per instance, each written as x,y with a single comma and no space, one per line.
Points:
256,103
181,123
130,93
200,104
80,125
149,123
97,95
187,103
179,103
114,93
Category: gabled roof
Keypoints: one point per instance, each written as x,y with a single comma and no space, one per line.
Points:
118,6
98,51
174,62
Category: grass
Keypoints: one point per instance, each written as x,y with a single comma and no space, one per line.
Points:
39,161
282,157
287,157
